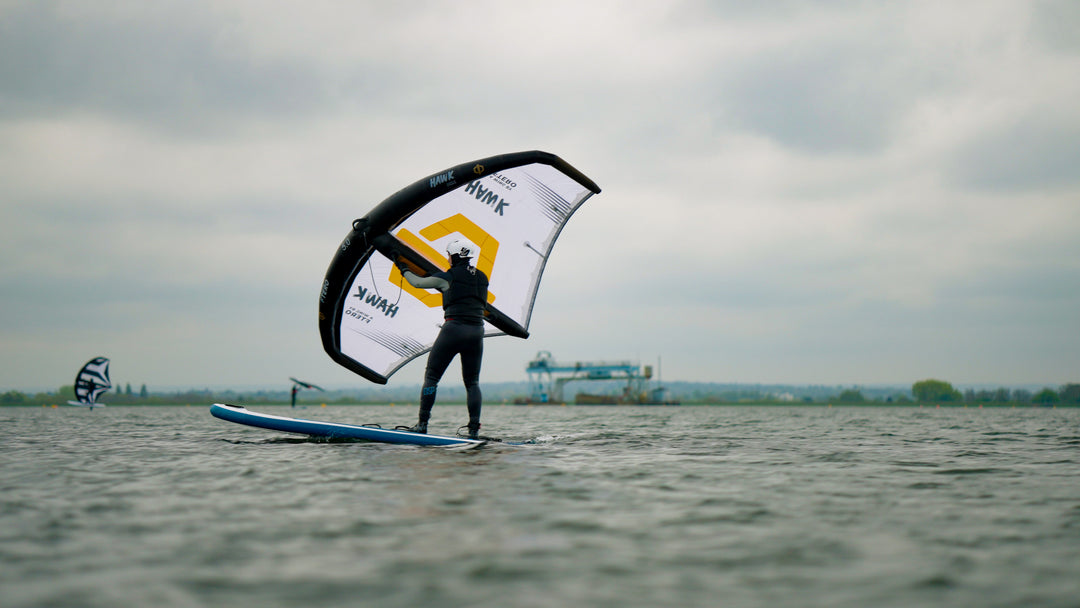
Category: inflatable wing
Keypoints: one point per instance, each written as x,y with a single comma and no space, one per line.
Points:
303,384
92,381
513,206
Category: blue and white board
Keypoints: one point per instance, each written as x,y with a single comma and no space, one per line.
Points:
332,430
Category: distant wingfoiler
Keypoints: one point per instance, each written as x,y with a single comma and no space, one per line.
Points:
91,381
513,206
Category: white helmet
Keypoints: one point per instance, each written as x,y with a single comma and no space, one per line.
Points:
463,248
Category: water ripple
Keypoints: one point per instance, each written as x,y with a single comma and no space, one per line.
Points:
687,506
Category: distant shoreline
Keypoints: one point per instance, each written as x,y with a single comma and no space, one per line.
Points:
310,405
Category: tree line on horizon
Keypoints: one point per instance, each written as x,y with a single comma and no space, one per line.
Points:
939,391
930,391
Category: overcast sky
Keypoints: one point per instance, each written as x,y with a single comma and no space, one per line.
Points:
795,192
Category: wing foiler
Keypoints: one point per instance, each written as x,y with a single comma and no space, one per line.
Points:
91,382
513,206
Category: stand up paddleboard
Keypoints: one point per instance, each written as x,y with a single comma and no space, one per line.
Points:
332,430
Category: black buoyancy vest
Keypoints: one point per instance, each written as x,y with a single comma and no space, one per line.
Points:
467,295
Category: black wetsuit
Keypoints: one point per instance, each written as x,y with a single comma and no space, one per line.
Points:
461,334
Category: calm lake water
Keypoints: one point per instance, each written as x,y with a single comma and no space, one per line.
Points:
604,506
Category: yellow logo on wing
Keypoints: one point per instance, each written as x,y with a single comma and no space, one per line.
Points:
458,223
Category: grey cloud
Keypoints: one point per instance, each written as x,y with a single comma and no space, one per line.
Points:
1032,154
1049,285
833,97
1056,23
132,298
239,214
769,11
172,70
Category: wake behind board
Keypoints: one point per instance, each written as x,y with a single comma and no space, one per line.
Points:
333,430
